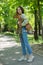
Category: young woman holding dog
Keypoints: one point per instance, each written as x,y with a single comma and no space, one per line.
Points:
22,22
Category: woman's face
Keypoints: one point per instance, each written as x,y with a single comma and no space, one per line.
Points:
19,11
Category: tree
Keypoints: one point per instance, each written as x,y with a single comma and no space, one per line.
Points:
8,8
36,19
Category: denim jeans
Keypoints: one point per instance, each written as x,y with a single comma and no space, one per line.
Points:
25,43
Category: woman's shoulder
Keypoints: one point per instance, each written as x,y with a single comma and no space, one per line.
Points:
23,16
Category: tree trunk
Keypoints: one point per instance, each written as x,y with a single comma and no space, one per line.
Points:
42,32
36,20
39,18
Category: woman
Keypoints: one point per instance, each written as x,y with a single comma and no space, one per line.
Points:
23,37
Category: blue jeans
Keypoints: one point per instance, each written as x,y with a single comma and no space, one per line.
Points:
25,43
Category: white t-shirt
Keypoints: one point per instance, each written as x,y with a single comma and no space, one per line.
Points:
25,20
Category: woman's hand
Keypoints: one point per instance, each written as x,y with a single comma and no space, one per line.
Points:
20,24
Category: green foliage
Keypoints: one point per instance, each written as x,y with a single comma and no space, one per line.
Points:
8,8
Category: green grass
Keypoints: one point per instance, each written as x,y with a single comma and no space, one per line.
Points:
14,35
30,38
33,41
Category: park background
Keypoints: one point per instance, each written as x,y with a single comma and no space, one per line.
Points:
34,12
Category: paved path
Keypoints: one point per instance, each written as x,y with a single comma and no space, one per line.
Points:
10,51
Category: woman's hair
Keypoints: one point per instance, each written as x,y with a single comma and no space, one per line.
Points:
21,10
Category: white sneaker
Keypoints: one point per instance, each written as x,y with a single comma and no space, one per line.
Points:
31,58
23,58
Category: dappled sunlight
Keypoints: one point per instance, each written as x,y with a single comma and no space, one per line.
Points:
10,52
17,52
15,15
1,64
1,54
1,49
7,42
14,59
5,38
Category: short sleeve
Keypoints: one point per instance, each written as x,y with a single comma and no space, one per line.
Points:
25,20
23,16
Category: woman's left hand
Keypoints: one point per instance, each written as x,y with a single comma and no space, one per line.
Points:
19,23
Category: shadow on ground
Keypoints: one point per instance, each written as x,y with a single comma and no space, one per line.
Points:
10,51
9,56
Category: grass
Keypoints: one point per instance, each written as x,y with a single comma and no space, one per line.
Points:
33,41
30,38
